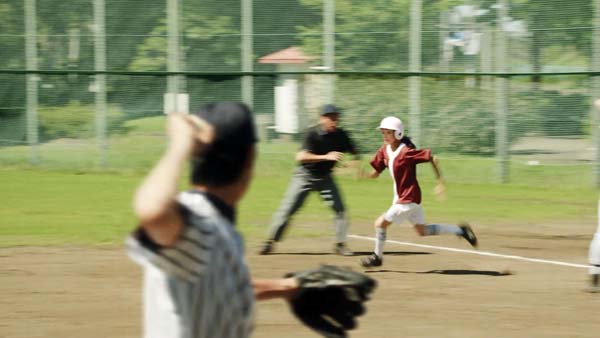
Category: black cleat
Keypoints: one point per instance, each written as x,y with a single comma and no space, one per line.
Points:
594,286
468,234
371,261
267,248
342,250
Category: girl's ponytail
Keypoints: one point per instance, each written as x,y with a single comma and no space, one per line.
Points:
406,140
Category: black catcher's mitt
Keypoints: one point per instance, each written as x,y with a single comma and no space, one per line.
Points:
330,298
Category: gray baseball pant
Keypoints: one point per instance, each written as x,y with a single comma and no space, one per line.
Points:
301,184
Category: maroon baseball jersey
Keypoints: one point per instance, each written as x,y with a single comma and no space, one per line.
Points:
402,164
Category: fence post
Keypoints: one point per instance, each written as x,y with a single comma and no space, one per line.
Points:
173,50
501,99
100,87
32,79
414,85
595,84
247,53
329,47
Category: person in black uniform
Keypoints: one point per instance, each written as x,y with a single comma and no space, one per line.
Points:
324,145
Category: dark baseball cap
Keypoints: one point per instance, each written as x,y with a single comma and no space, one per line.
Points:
233,123
330,109
223,162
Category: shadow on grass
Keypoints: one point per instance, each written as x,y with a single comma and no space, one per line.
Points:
450,272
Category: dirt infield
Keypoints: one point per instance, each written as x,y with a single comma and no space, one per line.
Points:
74,292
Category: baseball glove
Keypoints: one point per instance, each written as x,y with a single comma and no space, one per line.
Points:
330,298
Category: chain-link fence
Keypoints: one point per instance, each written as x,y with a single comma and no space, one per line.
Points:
83,82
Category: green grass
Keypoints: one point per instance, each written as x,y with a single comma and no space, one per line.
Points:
52,207
71,201
55,207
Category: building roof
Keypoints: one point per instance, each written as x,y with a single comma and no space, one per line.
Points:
292,55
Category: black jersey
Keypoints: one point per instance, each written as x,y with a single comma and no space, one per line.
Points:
319,142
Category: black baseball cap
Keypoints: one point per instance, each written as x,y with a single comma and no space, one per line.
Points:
330,109
233,123
223,161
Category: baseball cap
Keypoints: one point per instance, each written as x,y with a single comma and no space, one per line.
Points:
233,123
223,161
330,109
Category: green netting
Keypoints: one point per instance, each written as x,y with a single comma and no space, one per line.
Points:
548,115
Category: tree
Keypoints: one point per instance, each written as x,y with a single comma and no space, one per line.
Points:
12,51
369,34
551,23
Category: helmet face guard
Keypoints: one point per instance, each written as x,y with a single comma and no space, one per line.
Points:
393,123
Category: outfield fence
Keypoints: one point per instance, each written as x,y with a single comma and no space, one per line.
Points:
85,83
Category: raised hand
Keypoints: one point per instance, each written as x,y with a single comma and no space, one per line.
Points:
334,156
189,132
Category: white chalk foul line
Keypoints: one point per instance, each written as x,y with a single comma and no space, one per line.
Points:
475,252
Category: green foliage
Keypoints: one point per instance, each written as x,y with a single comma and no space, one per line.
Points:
11,57
366,100
11,23
152,54
550,112
456,118
12,128
12,97
369,34
75,120
207,38
464,124
452,119
210,38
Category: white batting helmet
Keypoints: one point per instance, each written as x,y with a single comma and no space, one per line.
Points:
393,123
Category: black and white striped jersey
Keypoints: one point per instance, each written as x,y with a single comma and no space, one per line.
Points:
199,287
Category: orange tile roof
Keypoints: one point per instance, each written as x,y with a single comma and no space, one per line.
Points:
288,55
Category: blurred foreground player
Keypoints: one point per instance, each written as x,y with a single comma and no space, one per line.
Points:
196,280
594,251
594,257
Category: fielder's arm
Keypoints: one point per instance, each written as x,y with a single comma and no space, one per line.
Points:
275,288
305,156
357,165
155,200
